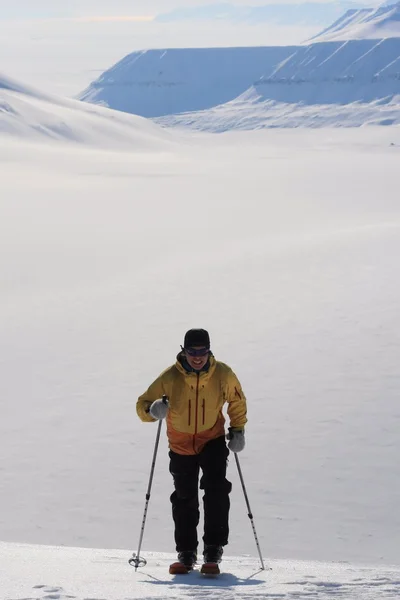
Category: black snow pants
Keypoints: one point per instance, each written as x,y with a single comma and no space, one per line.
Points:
212,460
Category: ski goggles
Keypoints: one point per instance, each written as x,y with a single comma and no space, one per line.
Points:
196,351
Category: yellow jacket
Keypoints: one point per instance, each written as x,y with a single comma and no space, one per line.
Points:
195,404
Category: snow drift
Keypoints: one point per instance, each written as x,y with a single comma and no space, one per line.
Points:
27,113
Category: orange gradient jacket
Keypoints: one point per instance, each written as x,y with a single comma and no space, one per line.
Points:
196,400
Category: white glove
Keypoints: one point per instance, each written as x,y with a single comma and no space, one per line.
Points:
159,409
236,439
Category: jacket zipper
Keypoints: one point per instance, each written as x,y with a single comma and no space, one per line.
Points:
204,410
196,415
190,410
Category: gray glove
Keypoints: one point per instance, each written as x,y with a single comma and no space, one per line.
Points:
159,409
236,439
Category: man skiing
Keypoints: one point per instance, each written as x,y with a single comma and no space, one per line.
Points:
197,387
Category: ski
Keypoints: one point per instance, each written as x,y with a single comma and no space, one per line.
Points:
178,568
210,568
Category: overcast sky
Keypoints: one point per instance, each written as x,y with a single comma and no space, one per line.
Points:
51,8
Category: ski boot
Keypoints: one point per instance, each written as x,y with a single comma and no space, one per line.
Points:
186,561
212,557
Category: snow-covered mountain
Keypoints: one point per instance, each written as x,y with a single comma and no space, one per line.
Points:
337,84
254,84
366,23
286,13
154,83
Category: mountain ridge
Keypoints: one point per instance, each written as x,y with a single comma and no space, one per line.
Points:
366,23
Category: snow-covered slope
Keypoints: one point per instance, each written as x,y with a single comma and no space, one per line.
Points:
285,244
285,13
56,573
252,111
375,24
27,113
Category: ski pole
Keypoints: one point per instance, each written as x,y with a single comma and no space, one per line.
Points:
250,515
136,561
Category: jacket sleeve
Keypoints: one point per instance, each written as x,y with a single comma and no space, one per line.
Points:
237,405
155,391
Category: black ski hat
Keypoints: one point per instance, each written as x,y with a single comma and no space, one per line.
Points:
196,337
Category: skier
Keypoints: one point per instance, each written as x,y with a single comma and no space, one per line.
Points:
197,387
